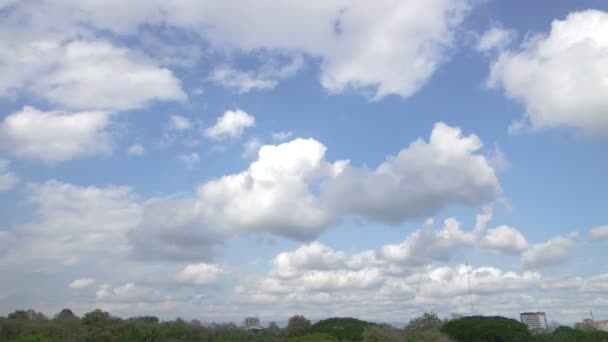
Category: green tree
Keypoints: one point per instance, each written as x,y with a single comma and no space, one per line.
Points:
297,325
348,329
382,333
65,314
492,329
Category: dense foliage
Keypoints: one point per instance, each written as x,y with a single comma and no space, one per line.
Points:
350,329
97,325
481,328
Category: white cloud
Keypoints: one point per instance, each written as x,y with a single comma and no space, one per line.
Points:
55,136
551,252
560,76
273,194
136,150
242,82
245,81
419,181
8,179
427,244
291,190
190,160
281,136
179,123
232,124
251,147
81,283
393,47
482,219
599,233
86,75
127,293
71,223
200,274
495,38
313,256
504,240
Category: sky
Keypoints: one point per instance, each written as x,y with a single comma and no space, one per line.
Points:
216,160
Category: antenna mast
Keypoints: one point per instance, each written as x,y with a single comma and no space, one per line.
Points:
470,291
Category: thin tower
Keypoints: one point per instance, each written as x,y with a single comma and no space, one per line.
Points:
470,291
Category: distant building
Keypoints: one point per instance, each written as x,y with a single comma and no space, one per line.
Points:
252,323
536,321
592,325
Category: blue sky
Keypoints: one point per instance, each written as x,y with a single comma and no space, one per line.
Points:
216,161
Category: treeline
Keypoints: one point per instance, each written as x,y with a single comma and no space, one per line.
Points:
98,325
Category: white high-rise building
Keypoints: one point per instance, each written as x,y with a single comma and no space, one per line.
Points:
536,321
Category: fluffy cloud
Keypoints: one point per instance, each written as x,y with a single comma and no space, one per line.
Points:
267,77
313,256
81,283
251,147
427,244
274,193
200,274
232,124
190,160
86,75
136,150
281,136
599,233
549,253
291,190
315,273
560,76
419,181
71,223
495,38
504,240
127,293
8,179
392,48
179,123
55,136
173,228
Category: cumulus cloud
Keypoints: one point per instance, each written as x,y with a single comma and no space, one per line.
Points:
428,244
495,38
136,150
127,293
200,274
419,181
560,76
81,283
281,136
504,240
291,190
599,233
551,252
313,256
315,274
274,193
55,136
179,123
251,147
232,124
392,48
72,222
190,160
245,81
86,75
8,179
